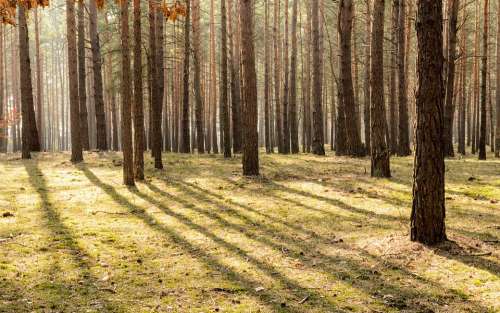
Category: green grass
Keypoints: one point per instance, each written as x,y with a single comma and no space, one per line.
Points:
310,235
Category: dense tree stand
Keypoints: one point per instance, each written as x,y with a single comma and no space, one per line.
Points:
428,210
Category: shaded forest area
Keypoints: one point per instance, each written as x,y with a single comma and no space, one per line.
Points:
249,156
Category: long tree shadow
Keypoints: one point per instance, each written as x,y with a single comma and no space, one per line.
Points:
477,261
266,297
63,239
341,268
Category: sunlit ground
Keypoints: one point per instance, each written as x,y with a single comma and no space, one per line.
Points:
311,235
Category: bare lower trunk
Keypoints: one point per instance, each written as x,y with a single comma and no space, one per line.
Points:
428,211
250,136
380,154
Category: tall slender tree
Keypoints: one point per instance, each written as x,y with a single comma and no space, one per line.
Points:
366,87
318,142
277,76
404,133
294,127
234,57
224,108
33,140
497,129
484,70
449,107
250,135
82,77
286,85
428,210
39,88
185,139
126,123
346,13
95,45
200,142
138,96
380,154
267,81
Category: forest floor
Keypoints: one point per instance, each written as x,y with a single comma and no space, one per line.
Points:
311,235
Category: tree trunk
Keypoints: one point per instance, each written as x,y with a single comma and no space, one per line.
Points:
497,130
76,144
100,115
380,154
277,76
3,128
366,92
138,109
39,91
234,57
225,125
449,108
318,141
213,80
484,70
186,138
32,139
403,136
285,108
463,96
250,135
267,81
393,118
200,144
294,128
82,90
126,94
354,146
428,211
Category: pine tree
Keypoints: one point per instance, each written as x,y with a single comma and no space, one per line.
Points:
428,211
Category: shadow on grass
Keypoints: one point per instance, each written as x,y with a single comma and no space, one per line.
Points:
353,272
265,297
477,261
64,240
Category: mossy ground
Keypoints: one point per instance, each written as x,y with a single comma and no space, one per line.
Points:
311,235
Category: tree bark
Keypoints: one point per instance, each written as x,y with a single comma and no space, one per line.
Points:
76,144
380,154
393,118
126,95
286,87
497,129
267,81
225,125
186,138
234,56
82,88
250,135
294,128
32,139
428,210
39,91
318,142
449,108
100,115
403,136
484,70
367,94
3,128
200,144
138,109
277,76
346,11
